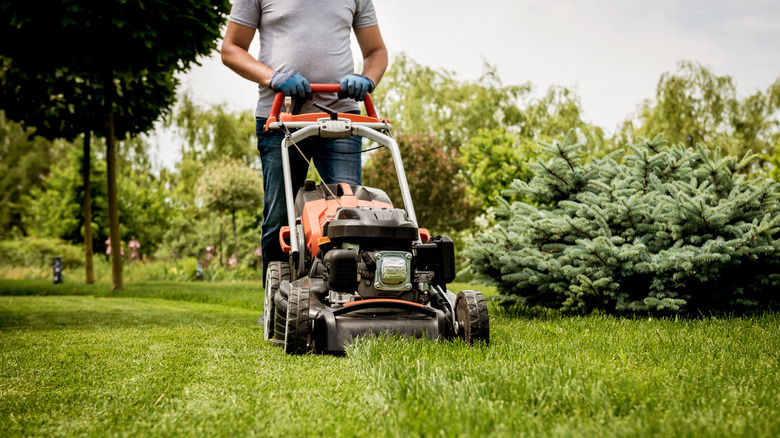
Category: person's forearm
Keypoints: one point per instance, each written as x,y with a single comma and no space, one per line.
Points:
241,62
375,64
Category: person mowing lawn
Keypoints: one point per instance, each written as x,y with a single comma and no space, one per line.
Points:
303,41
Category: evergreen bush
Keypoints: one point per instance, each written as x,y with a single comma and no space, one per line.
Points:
665,228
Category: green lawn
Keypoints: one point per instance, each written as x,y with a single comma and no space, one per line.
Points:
188,359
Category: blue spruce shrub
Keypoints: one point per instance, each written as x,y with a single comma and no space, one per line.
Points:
665,228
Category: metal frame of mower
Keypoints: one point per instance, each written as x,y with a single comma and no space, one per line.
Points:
358,266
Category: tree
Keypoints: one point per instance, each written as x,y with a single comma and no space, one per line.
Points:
210,134
667,228
493,159
100,55
230,187
441,200
553,115
144,202
419,99
25,161
494,127
55,208
214,133
694,101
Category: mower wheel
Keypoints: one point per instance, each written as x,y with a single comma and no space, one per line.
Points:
298,330
472,317
277,271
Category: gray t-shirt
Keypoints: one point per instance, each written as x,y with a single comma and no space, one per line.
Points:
308,36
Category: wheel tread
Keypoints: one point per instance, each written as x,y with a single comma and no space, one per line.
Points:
274,321
477,327
296,339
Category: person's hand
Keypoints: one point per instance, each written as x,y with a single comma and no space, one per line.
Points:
291,84
356,86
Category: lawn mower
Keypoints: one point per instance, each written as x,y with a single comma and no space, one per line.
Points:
357,265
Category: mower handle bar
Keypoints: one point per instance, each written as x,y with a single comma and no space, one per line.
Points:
276,108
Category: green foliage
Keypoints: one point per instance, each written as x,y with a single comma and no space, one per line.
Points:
418,99
494,158
494,126
145,208
554,114
694,101
230,186
190,233
24,163
209,134
113,56
666,229
214,133
55,210
441,199
38,252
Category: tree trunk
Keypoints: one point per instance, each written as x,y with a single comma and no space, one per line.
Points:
221,238
235,236
85,170
113,202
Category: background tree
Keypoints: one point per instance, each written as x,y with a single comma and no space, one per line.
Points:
230,187
419,99
493,159
213,133
439,191
144,202
553,115
209,134
494,127
695,101
25,161
98,54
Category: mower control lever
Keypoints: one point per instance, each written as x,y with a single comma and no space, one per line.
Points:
334,115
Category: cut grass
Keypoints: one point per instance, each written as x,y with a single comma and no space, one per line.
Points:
245,295
194,363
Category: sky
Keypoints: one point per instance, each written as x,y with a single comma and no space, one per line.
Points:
611,52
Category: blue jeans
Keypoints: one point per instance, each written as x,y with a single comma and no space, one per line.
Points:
337,160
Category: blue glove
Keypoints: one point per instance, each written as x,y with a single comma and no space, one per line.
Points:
356,86
291,84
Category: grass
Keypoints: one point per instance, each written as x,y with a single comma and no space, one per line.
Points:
188,359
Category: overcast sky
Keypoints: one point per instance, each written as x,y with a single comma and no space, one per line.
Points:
612,52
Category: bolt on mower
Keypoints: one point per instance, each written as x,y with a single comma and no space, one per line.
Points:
357,265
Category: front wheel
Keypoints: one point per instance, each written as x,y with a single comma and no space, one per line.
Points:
298,328
472,316
277,272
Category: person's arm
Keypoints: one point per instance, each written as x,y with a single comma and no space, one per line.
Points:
374,52
235,54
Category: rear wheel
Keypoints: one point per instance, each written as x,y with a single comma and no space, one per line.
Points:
472,317
298,330
277,272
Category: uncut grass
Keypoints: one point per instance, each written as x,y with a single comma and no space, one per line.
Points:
84,365
585,376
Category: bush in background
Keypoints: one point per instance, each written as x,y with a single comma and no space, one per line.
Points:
665,229
39,251
31,258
